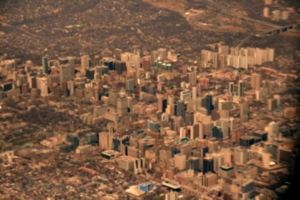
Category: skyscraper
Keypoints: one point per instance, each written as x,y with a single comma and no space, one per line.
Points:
65,73
180,108
192,78
231,89
208,165
273,131
256,81
85,62
45,65
241,88
244,110
240,155
113,96
208,104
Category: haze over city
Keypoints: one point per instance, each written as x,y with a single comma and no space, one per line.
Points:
149,99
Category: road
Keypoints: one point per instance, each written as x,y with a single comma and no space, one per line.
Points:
225,10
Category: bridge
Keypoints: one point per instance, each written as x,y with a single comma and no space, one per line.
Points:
267,33
276,31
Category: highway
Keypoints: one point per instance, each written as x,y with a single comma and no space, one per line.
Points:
225,10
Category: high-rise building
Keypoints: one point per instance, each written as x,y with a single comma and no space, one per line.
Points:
208,165
268,2
43,86
85,63
162,52
208,104
266,11
171,196
256,81
244,110
130,84
153,125
192,77
45,65
180,161
273,131
180,108
162,104
231,89
106,140
122,103
65,73
240,155
241,88
185,95
209,179
113,96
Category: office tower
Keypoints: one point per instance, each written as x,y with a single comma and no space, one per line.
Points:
153,125
199,89
278,100
192,77
185,95
162,104
120,67
189,118
244,110
271,104
90,73
247,141
193,163
266,11
85,63
130,84
171,196
209,179
273,131
65,73
194,93
180,161
122,104
240,155
208,104
43,86
71,87
213,145
256,81
208,164
165,154
73,139
106,140
284,154
136,61
91,138
217,132
268,2
284,15
64,88
162,52
231,89
25,89
154,56
45,65
223,50
71,62
113,96
266,158
219,160
180,108
241,88
276,15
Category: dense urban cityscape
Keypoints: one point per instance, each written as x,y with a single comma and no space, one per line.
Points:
210,114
